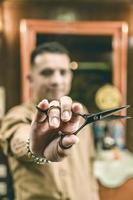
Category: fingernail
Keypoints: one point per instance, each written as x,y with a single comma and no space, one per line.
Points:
66,115
55,121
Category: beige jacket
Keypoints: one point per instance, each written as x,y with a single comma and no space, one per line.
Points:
71,179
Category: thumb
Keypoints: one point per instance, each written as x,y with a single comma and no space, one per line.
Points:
55,153
69,140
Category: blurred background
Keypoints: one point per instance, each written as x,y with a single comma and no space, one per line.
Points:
93,54
13,11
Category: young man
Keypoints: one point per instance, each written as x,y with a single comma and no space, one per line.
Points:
49,132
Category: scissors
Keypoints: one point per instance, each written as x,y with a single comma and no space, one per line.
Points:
90,118
107,114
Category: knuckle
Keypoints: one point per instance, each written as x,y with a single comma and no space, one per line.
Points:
54,103
66,99
77,107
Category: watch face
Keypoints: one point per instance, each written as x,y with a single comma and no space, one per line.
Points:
108,97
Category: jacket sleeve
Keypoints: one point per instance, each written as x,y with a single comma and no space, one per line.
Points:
11,123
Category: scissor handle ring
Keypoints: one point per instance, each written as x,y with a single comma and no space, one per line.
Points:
61,145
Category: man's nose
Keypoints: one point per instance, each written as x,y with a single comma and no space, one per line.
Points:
56,78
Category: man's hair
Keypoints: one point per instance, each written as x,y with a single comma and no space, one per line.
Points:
49,47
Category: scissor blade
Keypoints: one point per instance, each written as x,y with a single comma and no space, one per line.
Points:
102,115
115,117
114,110
91,118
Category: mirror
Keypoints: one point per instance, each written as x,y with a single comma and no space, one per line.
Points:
99,48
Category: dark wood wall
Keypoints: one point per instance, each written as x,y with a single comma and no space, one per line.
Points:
15,10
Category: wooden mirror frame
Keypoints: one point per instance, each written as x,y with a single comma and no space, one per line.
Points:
117,30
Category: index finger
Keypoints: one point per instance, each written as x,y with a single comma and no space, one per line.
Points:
41,113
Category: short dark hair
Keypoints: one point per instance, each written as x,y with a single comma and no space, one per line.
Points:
48,47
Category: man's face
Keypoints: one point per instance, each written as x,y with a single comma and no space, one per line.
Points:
51,76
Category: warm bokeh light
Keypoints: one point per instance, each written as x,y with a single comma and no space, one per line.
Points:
74,65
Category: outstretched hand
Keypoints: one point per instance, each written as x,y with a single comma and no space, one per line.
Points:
46,128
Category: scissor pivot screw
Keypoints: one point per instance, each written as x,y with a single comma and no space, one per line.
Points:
95,117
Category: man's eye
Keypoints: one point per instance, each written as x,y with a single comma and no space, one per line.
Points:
46,72
63,72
